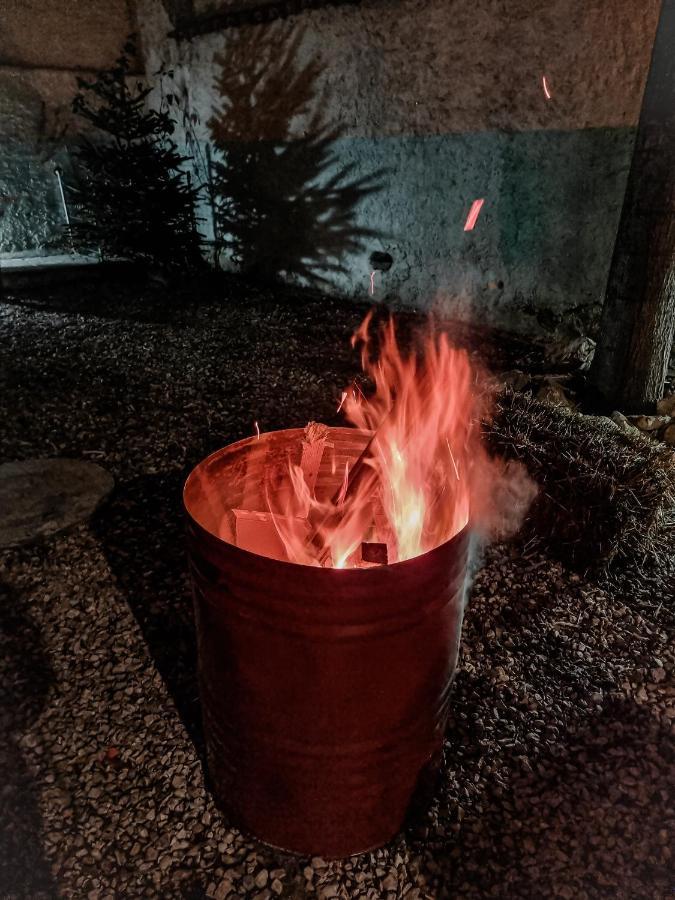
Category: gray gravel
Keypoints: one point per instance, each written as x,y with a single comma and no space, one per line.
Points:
559,755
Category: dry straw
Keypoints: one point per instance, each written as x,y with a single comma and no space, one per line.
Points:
606,499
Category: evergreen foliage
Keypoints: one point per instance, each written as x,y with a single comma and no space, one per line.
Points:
135,201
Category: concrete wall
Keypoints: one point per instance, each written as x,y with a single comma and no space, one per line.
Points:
446,99
44,45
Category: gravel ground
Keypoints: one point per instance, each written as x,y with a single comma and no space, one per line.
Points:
559,755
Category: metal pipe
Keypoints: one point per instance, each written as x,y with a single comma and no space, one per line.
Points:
57,172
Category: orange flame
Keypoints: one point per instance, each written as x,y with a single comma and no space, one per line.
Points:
426,474
422,407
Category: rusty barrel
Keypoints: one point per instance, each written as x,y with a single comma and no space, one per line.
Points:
324,691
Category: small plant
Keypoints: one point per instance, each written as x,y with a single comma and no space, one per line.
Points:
135,201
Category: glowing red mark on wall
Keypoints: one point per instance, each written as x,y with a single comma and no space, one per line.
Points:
545,86
473,214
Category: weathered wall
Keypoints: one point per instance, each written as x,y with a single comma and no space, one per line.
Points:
447,97
44,45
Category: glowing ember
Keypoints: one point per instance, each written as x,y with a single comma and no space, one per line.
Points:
257,429
422,475
545,86
472,218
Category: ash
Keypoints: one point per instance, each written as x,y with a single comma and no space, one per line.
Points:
559,753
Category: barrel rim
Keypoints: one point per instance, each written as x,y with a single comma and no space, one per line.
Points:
258,558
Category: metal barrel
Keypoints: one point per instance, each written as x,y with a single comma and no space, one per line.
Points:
324,691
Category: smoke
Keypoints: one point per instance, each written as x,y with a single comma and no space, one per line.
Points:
501,496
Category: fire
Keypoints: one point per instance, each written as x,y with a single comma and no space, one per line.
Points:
414,485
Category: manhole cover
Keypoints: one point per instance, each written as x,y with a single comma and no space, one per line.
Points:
39,497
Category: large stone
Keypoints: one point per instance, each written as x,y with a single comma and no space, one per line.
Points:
666,406
40,497
619,419
668,435
649,423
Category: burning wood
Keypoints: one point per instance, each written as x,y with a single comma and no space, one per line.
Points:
323,521
258,533
374,553
313,444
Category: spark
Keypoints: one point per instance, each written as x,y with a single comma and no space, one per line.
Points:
452,458
257,429
545,85
372,283
342,400
473,214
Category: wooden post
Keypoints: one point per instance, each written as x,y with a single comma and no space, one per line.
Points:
636,330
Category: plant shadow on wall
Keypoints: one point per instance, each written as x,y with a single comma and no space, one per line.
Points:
284,205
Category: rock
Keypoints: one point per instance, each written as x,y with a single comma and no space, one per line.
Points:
668,435
576,354
551,391
40,497
515,379
623,423
223,890
648,423
666,406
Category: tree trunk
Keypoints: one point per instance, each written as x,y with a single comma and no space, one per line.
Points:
638,318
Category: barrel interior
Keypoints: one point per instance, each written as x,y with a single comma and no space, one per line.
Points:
238,476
